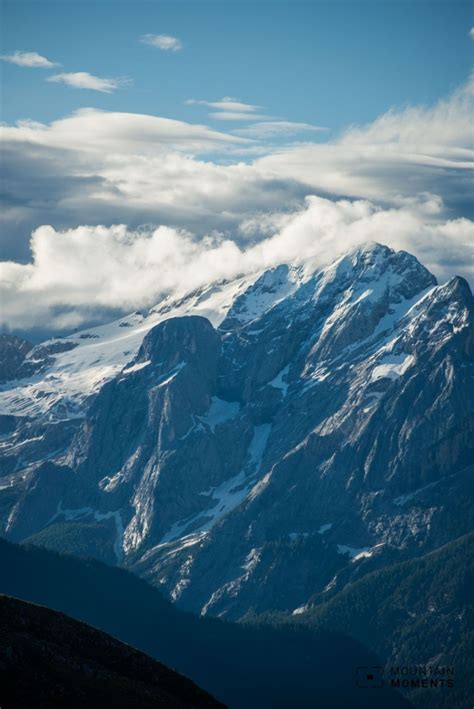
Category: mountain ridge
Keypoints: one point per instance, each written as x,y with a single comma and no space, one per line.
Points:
48,660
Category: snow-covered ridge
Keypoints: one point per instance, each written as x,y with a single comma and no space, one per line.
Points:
100,353
96,355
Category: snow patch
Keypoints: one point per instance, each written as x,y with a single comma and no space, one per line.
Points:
279,382
403,499
357,554
136,367
258,444
251,560
392,366
219,412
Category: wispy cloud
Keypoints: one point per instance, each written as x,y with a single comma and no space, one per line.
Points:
236,116
29,59
84,80
471,33
272,129
226,104
165,42
230,109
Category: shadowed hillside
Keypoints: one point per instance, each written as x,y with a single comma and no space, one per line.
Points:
242,666
49,661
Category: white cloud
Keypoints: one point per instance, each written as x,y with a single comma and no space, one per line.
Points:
79,272
230,109
402,153
228,103
29,59
271,129
236,116
84,80
92,132
162,41
471,33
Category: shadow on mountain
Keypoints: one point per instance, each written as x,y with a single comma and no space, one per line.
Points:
243,666
49,661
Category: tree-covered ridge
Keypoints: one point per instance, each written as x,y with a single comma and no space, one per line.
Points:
49,661
416,612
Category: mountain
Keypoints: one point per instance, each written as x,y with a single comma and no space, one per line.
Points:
256,443
49,661
252,666
413,613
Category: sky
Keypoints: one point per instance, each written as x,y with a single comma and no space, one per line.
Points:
233,133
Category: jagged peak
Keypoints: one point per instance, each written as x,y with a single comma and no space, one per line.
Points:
457,289
458,286
371,248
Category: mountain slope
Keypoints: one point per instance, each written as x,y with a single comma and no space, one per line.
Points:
48,660
417,612
323,428
242,666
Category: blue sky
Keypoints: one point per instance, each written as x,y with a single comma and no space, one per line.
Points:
325,63
148,144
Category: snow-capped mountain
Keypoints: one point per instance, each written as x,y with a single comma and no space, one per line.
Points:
255,444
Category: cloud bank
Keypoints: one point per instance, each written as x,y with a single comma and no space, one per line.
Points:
80,274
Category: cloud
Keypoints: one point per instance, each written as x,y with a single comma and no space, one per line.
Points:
226,104
403,152
29,59
90,131
271,129
84,80
471,33
141,169
79,274
162,41
230,109
236,116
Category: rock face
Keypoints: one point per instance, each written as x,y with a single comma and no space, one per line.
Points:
322,425
13,351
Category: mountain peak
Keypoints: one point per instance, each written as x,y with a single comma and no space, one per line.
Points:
458,286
